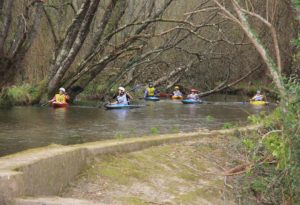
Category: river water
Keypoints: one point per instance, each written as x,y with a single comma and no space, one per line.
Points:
28,127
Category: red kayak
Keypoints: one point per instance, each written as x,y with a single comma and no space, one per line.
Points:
164,95
58,105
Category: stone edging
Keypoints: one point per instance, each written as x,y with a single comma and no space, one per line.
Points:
45,171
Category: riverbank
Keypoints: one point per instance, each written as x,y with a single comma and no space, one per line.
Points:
48,171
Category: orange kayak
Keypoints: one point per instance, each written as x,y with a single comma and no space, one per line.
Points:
177,97
59,105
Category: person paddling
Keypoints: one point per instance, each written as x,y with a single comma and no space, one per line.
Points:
150,91
193,95
123,98
258,97
61,97
176,92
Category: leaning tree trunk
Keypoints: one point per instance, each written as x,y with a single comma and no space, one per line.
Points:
242,21
87,73
72,44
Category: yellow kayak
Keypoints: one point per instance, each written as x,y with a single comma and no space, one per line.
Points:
177,97
258,102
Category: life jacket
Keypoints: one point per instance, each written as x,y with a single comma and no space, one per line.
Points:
151,91
122,99
258,97
60,98
177,93
193,96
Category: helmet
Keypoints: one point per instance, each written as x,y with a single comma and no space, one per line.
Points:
62,89
194,90
122,89
258,92
176,87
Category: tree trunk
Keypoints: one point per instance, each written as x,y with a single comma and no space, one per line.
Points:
244,24
72,44
10,59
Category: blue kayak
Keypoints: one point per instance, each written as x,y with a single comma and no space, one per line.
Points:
121,106
191,101
154,98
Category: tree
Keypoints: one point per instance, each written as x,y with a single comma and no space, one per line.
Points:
99,54
16,36
240,16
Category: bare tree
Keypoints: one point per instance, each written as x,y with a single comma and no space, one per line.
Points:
16,41
239,15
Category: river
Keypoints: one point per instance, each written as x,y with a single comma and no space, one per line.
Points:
29,127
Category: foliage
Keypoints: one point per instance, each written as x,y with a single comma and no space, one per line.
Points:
154,130
210,118
22,95
296,4
276,154
6,100
227,125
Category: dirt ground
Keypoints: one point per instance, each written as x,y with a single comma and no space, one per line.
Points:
183,173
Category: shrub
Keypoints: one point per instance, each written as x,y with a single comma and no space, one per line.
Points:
276,154
22,95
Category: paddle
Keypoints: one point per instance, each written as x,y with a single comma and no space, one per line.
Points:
44,104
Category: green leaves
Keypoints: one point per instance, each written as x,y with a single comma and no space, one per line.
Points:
278,148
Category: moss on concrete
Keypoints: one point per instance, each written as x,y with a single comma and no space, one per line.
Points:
184,173
133,201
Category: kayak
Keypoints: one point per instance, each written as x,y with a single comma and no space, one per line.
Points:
177,97
154,98
164,95
59,105
258,102
121,106
191,101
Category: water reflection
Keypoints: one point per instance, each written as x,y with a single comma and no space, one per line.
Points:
192,108
59,114
119,115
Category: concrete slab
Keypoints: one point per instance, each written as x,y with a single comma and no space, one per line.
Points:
53,201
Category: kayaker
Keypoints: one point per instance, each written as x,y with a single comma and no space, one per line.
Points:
61,97
258,97
150,91
123,98
193,95
176,92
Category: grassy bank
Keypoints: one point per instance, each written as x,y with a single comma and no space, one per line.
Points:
18,95
272,155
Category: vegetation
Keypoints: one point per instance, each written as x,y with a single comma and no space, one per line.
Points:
22,95
274,153
154,130
227,125
94,46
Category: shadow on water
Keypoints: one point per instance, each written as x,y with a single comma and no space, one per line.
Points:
28,127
